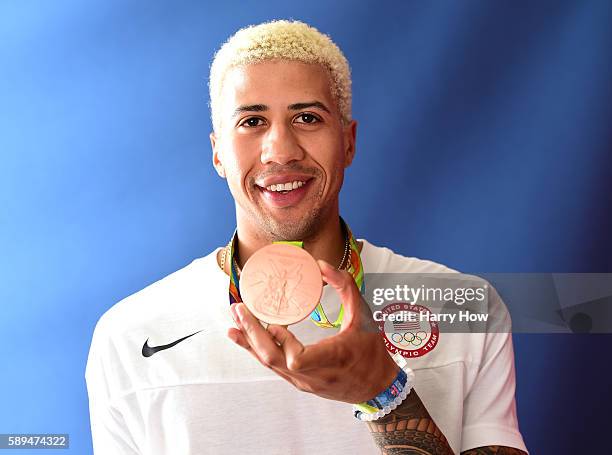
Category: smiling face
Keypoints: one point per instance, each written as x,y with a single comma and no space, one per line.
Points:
283,148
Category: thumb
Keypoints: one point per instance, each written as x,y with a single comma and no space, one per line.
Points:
345,286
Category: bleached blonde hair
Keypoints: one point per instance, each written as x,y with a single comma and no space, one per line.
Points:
281,40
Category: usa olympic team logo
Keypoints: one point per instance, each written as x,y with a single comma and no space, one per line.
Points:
408,330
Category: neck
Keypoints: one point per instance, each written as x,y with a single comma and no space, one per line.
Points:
327,243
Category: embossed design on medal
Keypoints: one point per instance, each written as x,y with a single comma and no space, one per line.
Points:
279,288
281,284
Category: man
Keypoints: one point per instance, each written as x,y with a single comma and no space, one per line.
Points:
209,377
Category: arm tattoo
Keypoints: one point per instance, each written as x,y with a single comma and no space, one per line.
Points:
494,450
409,430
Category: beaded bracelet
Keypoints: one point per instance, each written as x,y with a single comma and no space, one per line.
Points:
390,398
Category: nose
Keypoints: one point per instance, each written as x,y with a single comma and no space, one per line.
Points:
280,145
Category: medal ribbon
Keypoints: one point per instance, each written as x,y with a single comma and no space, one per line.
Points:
318,316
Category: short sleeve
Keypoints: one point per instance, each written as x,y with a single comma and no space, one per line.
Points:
110,433
489,412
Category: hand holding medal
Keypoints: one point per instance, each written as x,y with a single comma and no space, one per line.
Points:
352,365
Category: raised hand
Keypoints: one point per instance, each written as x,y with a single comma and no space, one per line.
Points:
351,366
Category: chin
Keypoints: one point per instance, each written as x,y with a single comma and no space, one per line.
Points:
292,228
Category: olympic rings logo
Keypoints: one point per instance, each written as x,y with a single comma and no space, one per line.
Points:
408,338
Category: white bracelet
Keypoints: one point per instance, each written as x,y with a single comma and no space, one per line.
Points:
368,417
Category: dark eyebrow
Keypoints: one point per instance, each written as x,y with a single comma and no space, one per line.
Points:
300,106
292,107
250,108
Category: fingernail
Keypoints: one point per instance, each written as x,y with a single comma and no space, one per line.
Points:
239,311
323,264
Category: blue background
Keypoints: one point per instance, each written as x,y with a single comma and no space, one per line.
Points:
484,143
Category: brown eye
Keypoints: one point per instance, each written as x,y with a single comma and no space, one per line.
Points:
307,118
252,122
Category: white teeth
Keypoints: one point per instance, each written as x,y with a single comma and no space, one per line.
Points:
286,186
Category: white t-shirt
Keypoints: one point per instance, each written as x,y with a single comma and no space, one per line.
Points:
206,395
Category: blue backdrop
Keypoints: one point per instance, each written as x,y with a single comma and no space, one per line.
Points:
484,143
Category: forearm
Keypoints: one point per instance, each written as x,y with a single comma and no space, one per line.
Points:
409,430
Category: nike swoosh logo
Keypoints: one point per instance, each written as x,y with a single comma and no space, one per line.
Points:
148,351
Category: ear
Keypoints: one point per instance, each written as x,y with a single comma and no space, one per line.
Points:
214,143
350,135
